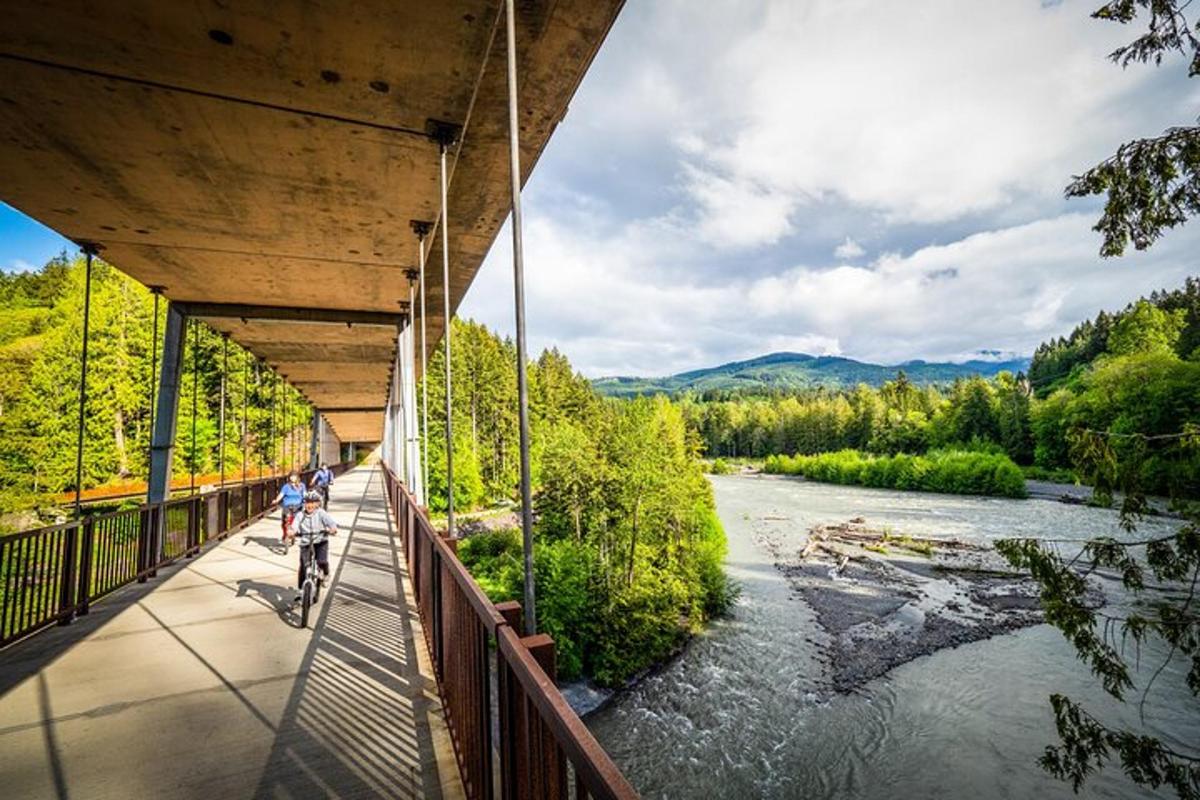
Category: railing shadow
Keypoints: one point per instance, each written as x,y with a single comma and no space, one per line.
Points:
355,723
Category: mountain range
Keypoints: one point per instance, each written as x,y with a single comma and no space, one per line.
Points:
801,371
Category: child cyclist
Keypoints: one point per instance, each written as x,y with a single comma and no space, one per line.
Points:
313,525
291,496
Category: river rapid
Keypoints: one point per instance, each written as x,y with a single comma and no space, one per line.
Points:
746,710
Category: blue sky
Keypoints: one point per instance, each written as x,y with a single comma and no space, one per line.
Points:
26,244
878,180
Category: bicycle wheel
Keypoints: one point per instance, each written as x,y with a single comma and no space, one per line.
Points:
317,588
306,601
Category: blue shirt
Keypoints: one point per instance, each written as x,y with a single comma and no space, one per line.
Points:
324,477
292,495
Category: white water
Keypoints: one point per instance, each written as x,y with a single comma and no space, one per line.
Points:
742,713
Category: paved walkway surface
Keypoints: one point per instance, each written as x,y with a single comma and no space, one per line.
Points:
201,683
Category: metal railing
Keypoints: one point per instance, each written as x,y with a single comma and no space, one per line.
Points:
53,574
526,742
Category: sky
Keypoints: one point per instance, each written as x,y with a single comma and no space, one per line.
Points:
882,181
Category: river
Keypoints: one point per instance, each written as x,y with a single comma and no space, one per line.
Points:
743,712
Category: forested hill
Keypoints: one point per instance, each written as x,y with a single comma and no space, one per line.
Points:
784,371
1059,359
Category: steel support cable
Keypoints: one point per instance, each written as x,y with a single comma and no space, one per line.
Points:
89,251
245,403
195,395
221,427
157,292
446,349
422,232
410,441
514,154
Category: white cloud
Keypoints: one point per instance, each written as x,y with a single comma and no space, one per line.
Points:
848,250
603,301
922,113
943,132
18,265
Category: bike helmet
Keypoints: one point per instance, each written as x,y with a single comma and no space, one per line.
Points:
312,497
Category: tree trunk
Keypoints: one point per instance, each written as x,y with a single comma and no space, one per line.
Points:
119,436
637,507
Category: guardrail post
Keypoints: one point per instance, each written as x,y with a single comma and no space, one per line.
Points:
143,541
511,612
435,573
550,773
66,588
86,548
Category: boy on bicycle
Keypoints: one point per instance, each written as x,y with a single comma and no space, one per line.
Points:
313,525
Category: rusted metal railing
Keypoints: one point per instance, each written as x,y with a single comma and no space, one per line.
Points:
525,742
53,574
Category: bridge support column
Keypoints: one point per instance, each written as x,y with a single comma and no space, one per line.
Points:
162,446
314,447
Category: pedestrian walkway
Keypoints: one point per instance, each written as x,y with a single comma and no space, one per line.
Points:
201,683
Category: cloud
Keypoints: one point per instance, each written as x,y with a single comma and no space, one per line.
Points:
771,109
602,300
693,207
848,250
18,265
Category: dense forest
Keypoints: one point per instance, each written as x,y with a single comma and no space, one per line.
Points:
628,548
1141,378
41,326
1056,360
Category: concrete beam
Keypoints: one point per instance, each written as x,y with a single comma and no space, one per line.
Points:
290,314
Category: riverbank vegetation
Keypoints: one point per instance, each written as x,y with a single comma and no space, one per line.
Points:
947,471
628,549
1143,377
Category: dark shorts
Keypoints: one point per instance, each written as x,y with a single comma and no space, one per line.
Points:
322,549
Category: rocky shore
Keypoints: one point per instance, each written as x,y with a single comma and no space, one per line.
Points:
882,600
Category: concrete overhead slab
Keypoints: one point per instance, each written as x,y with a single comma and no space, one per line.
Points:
204,687
274,152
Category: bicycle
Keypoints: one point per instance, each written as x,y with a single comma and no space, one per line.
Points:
310,590
286,515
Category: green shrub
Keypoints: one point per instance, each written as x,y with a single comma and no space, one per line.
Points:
982,471
719,467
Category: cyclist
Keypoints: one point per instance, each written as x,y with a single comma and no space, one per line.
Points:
321,481
313,526
292,497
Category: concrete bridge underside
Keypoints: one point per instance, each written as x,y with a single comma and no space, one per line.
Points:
274,154
201,685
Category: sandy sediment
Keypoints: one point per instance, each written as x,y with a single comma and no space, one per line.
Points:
884,600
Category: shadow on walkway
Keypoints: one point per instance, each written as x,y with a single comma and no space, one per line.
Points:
356,724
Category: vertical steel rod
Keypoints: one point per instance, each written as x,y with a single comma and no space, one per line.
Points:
245,427
424,371
221,429
156,291
446,351
195,394
274,455
514,160
89,251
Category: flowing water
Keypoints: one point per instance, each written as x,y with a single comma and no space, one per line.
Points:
744,711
